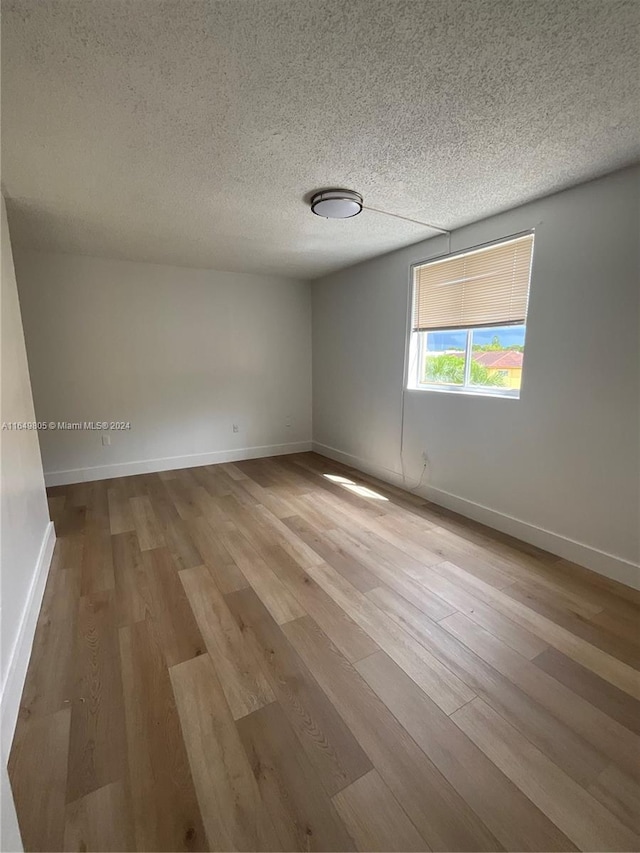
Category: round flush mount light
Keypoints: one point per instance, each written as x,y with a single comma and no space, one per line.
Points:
336,204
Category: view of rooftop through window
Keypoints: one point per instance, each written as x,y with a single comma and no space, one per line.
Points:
496,357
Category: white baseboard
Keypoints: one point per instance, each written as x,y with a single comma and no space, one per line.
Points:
609,565
169,463
21,652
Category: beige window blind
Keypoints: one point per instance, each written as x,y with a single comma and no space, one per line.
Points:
485,287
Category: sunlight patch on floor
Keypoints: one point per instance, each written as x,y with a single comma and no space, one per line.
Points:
336,478
363,491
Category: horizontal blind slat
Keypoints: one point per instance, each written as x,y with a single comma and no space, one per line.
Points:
485,287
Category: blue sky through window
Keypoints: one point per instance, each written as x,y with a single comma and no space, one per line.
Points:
509,336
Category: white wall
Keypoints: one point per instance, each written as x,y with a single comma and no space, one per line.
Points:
27,534
182,354
10,840
560,467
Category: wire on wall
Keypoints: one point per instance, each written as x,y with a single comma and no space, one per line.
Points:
404,368
404,371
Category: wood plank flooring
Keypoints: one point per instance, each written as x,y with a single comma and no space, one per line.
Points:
286,654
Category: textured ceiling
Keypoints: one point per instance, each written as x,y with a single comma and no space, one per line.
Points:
189,132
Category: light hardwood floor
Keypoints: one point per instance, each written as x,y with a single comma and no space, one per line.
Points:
286,654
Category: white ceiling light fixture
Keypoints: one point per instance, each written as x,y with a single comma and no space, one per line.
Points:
336,204
345,204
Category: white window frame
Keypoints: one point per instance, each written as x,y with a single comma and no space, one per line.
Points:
418,352
415,342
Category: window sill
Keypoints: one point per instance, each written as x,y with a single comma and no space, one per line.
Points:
465,392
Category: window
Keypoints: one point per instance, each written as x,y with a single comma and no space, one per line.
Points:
469,320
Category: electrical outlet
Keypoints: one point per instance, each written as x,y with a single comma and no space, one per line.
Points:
106,439
287,422
236,428
425,458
